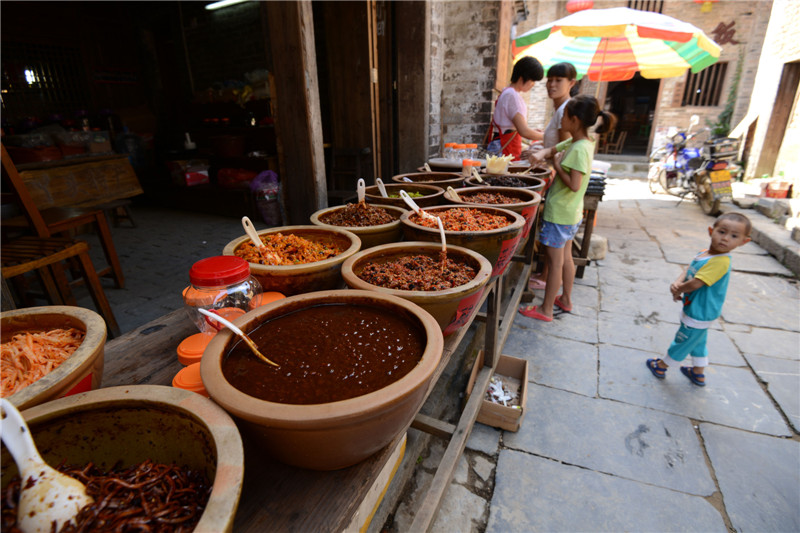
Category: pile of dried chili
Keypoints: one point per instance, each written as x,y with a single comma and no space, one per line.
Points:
144,497
489,198
358,215
463,219
418,273
289,249
504,181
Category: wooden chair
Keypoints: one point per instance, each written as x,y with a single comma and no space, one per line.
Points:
59,220
615,144
41,254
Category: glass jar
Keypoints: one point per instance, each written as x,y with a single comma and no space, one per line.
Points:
447,153
472,151
220,284
460,152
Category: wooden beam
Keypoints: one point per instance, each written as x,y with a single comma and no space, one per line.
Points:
298,120
433,426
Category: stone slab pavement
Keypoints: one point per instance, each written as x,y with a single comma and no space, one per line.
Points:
604,446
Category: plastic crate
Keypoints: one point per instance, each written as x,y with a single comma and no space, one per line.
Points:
721,148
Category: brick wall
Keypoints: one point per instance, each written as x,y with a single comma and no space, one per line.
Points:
463,57
224,44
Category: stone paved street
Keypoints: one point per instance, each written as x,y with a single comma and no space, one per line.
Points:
604,446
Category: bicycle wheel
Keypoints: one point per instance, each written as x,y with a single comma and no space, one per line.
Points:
652,177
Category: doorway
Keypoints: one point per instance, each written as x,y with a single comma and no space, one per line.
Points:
634,103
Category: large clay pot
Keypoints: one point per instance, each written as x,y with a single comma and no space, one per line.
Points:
527,204
333,435
451,307
533,183
440,179
82,371
370,235
308,277
431,194
128,425
496,245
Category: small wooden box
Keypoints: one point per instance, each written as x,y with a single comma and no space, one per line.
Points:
497,415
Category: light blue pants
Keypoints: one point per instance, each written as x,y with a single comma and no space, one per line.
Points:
688,341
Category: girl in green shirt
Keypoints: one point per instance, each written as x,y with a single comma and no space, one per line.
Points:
563,209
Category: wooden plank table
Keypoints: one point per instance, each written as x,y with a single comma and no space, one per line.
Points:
279,497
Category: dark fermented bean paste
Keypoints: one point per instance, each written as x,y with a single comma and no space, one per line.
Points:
489,198
326,353
462,219
358,215
504,181
417,273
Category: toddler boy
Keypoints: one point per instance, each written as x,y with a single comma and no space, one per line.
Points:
702,286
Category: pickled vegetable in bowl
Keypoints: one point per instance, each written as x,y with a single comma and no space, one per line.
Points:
498,164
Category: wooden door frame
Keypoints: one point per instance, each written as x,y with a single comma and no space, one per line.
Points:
784,100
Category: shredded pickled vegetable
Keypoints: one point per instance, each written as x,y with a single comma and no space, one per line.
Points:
286,250
358,215
29,356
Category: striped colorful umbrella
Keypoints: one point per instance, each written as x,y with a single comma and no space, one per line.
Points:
613,44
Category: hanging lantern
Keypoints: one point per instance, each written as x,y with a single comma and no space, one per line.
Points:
573,6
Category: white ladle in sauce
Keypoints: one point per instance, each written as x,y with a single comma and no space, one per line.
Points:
46,495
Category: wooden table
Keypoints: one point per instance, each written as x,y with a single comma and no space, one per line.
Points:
80,182
278,497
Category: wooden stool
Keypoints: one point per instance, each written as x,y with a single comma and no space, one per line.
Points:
40,254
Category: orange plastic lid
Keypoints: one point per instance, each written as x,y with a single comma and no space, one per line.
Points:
460,146
189,379
264,299
472,145
191,349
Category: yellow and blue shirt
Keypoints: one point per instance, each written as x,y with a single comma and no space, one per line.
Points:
704,305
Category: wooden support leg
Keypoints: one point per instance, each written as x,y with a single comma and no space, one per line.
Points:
111,252
97,294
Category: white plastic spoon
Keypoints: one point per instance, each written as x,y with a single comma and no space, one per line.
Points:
444,243
427,167
413,205
381,187
251,232
46,495
361,188
240,333
477,175
452,193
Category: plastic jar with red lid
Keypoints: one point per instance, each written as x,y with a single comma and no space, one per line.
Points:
222,285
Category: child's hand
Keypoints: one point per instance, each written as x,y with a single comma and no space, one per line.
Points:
557,157
676,294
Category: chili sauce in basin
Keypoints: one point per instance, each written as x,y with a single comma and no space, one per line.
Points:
326,353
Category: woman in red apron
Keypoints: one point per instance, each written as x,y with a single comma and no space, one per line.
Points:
510,119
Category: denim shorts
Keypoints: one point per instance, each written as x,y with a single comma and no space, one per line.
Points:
555,235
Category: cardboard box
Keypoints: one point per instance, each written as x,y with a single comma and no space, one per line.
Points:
189,172
499,415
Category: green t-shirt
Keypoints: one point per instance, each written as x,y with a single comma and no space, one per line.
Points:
565,206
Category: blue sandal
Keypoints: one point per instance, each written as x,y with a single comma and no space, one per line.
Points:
689,373
657,371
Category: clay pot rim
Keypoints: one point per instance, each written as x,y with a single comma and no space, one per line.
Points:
536,198
326,415
370,191
355,245
472,182
220,510
517,224
95,337
378,228
476,283
411,175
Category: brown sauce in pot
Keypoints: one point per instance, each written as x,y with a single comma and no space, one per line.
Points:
326,353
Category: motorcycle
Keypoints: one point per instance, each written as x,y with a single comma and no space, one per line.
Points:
700,172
